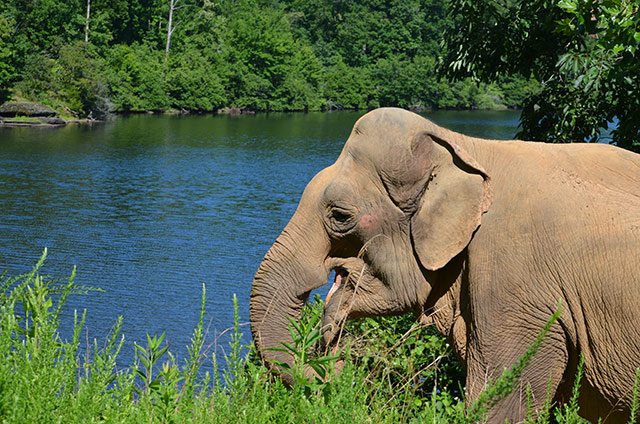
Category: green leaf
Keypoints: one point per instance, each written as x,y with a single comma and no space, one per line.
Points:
568,6
323,359
320,370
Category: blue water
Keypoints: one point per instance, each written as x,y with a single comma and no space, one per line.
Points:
151,207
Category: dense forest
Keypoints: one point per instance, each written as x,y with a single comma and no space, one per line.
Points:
87,58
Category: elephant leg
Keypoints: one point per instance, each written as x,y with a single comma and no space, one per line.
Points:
543,376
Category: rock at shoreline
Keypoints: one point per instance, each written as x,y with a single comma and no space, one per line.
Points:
19,114
53,120
13,109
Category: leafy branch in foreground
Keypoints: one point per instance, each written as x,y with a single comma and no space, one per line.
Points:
568,413
583,52
148,357
305,335
635,398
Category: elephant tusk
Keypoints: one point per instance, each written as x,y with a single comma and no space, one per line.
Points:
336,284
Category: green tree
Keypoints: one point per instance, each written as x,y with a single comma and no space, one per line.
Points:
193,84
8,69
584,53
72,81
252,54
348,88
271,69
134,76
366,31
47,23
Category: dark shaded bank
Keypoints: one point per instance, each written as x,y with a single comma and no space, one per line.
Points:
29,114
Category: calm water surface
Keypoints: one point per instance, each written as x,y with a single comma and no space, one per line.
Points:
151,207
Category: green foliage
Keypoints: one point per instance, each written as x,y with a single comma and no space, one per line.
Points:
605,69
635,397
568,413
347,88
394,371
412,367
8,55
403,348
50,22
193,84
73,81
148,357
584,53
135,78
292,55
363,32
305,335
272,70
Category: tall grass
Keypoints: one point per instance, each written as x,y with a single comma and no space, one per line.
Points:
394,371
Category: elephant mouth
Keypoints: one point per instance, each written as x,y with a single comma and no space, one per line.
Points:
339,300
351,269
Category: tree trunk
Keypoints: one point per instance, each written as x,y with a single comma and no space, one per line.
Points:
170,29
86,28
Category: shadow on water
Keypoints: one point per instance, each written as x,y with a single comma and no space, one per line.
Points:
150,207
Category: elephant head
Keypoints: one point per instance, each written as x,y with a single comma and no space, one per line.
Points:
399,203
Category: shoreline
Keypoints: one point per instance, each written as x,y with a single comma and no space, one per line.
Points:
57,122
37,123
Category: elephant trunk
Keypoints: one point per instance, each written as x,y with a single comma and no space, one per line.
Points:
290,270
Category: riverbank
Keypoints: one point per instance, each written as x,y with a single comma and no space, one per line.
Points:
41,122
52,118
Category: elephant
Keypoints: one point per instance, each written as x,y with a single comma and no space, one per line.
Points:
483,238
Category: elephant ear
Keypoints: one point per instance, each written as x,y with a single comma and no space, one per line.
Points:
455,192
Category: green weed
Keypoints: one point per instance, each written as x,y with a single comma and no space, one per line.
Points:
394,371
305,335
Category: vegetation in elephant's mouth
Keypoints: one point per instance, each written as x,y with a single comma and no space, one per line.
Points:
394,371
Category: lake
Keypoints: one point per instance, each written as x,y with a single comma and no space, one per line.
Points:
151,207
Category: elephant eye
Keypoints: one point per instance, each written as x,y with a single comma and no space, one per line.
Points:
339,216
340,219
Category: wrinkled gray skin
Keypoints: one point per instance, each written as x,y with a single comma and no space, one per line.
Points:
481,238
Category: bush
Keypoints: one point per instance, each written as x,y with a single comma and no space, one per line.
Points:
348,88
271,70
193,83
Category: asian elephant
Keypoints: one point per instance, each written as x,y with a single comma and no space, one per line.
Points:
483,238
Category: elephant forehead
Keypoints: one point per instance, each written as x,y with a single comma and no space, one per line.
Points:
384,134
389,116
353,178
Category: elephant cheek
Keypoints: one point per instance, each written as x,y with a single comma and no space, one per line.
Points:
369,225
